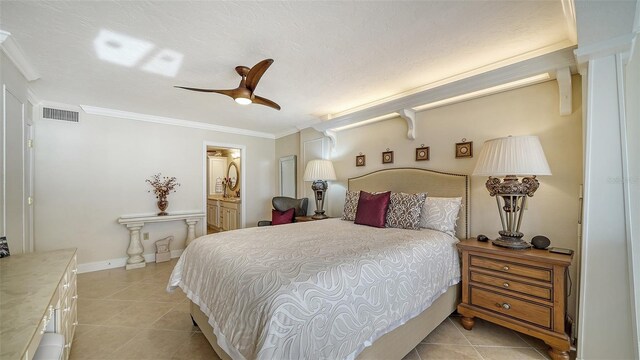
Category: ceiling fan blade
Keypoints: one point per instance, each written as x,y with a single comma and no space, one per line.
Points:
223,92
256,73
262,101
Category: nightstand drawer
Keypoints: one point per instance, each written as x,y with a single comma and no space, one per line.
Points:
511,285
522,310
511,268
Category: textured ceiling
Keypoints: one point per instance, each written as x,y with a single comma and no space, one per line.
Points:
329,56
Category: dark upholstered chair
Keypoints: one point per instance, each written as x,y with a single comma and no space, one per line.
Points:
283,203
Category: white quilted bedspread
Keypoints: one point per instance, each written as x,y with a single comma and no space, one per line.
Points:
314,290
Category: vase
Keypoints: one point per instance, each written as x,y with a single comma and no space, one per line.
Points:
162,205
224,190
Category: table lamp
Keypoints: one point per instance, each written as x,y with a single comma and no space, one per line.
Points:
319,171
511,157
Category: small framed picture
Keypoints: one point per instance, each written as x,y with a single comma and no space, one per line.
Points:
422,153
4,247
360,160
387,157
464,149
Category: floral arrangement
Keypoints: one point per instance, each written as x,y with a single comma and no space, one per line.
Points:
226,181
162,185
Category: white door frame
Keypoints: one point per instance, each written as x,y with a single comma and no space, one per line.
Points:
243,172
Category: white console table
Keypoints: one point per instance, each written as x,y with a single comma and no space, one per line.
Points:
135,223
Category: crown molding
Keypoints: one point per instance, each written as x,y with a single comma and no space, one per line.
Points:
569,12
11,48
599,49
546,63
94,110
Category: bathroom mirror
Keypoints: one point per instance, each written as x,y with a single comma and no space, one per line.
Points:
288,178
234,174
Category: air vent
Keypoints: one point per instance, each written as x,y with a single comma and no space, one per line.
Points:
57,114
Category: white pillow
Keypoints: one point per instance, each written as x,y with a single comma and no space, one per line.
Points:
440,214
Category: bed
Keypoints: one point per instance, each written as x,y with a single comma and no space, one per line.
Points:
327,289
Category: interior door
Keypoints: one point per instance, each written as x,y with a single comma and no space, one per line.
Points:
217,170
28,187
14,182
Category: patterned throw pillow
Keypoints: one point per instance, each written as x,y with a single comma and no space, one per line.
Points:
441,214
404,210
350,205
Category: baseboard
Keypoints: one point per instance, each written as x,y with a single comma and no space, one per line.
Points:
119,262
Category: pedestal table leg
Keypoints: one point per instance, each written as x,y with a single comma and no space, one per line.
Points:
135,250
191,230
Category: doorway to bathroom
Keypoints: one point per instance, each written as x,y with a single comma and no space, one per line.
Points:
223,188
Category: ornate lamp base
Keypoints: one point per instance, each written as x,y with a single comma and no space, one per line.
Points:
511,196
319,215
511,243
319,187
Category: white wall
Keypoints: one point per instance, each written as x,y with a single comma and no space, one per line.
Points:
313,145
92,172
533,110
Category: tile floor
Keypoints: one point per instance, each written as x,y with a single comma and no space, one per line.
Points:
128,315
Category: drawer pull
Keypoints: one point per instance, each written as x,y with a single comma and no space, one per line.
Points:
66,309
75,271
506,284
505,268
75,323
504,306
74,297
66,346
65,286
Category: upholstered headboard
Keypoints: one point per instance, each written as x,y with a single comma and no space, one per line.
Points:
411,180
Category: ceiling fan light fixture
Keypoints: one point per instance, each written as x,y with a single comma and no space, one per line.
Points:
243,94
243,101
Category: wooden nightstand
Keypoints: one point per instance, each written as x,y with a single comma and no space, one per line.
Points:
523,290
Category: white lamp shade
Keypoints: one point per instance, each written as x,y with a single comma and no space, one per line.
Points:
512,155
319,170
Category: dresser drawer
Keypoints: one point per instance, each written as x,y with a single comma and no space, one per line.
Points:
511,268
511,285
522,310
229,205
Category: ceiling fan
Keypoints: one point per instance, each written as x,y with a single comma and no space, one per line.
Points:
243,94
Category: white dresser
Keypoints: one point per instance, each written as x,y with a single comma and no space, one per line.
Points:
38,294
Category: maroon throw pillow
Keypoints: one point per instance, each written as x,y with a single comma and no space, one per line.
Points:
372,209
282,217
